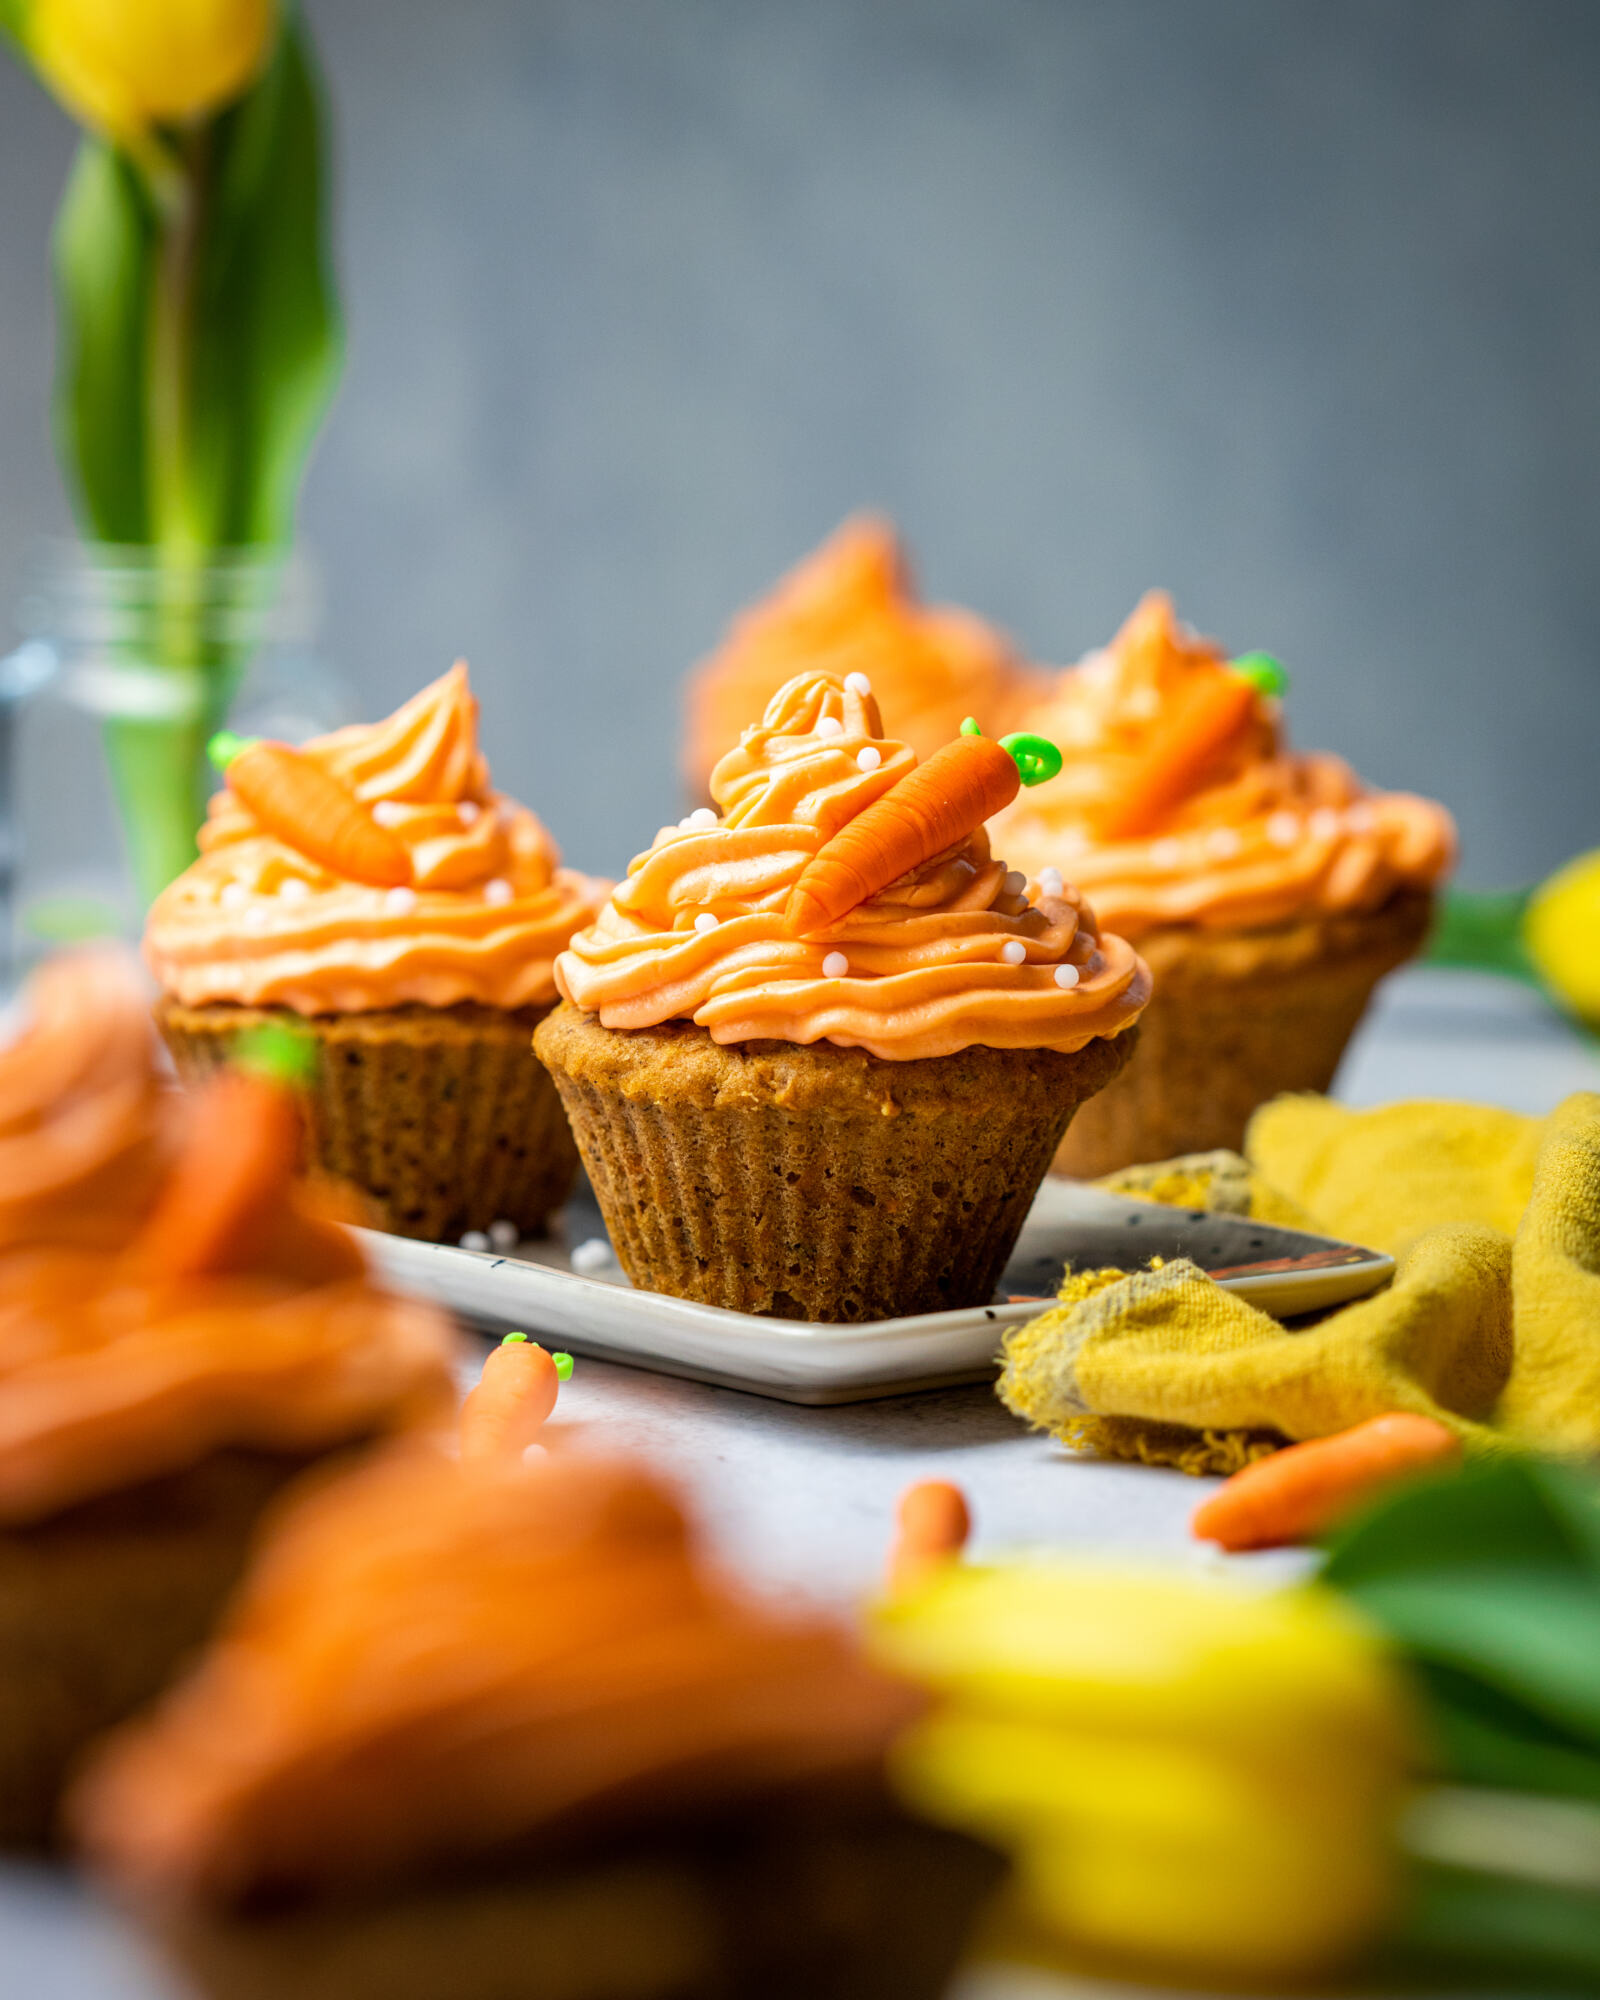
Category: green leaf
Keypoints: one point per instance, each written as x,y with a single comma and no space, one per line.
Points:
1489,1926
1482,929
105,254
266,334
11,17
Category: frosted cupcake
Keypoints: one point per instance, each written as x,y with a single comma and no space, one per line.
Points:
1269,890
416,946
486,1735
837,1115
851,607
182,1331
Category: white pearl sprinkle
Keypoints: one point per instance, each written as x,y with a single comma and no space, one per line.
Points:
235,896
1166,853
255,917
1051,882
1325,824
701,816
467,811
858,683
868,759
1361,819
1283,829
1014,951
1016,881
504,1235
707,921
388,812
592,1254
400,902
835,965
475,1240
1223,843
829,725
1067,977
497,891
294,890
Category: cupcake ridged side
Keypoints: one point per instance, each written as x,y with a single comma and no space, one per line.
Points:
443,1116
810,1181
1239,1017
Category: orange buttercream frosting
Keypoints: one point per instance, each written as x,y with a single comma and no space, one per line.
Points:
958,953
259,922
122,1358
850,607
429,1663
1250,833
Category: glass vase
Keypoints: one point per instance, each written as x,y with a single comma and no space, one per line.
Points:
129,664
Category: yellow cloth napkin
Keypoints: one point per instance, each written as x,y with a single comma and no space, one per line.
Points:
1497,1336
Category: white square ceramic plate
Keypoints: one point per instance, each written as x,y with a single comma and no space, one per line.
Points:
535,1290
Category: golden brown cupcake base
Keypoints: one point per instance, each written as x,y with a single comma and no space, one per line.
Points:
866,1910
442,1116
1238,1017
102,1604
813,1182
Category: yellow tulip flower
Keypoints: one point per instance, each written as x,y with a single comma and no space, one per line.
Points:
1189,1774
1562,932
124,66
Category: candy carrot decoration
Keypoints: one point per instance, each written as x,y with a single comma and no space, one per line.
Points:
955,790
515,1394
306,806
1298,1492
931,1527
1199,719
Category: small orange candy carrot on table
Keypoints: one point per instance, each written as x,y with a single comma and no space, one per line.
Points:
515,1394
931,1527
1298,1492
295,798
1199,720
932,807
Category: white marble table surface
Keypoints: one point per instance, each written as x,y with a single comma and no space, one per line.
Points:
802,1498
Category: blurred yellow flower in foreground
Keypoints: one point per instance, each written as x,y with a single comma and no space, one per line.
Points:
1188,1774
1562,932
123,66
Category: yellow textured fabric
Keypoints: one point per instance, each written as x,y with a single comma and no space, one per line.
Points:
1500,1342
1381,1177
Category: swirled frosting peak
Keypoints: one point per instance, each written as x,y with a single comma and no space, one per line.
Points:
960,952
1249,833
851,607
258,921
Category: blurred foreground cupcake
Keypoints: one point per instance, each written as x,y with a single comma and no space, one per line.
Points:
374,888
182,1330
819,1048
1269,891
851,607
488,1729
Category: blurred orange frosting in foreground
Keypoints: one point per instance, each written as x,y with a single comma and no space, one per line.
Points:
1242,832
259,922
430,1661
121,1360
956,953
851,608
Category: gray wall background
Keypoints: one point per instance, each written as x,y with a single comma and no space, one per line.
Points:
1290,305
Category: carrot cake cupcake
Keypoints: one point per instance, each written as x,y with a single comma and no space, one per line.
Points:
375,888
820,1046
851,607
1268,890
181,1331
485,1728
